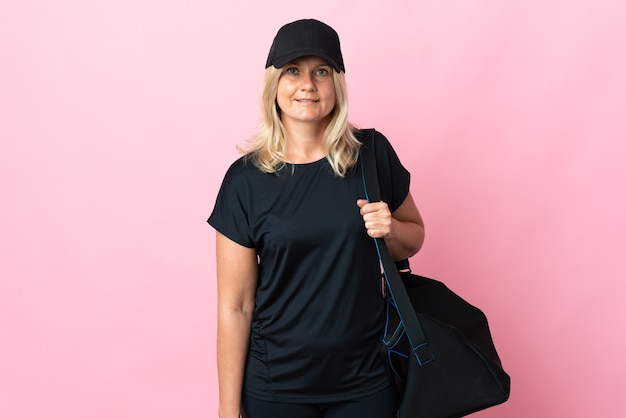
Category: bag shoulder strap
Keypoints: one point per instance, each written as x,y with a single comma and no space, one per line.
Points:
396,289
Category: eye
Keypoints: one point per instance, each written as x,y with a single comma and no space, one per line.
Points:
322,72
291,70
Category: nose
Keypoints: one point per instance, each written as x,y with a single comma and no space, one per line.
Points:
307,82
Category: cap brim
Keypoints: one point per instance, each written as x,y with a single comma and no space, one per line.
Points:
285,59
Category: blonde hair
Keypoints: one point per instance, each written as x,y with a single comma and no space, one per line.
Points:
267,148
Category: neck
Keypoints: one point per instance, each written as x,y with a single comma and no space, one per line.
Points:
304,142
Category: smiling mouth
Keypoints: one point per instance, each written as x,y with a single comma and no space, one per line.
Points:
307,100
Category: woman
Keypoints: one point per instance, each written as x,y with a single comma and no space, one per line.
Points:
300,303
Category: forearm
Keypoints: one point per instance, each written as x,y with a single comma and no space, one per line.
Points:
233,334
405,239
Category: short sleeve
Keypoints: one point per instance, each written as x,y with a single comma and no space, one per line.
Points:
231,215
393,177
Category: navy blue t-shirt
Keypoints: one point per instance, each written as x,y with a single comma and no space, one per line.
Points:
319,313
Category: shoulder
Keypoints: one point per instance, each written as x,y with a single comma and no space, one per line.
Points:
373,138
242,169
370,134
241,177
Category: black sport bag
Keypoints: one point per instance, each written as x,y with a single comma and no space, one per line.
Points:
438,345
449,367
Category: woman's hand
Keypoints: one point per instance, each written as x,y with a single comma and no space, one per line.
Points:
377,218
403,230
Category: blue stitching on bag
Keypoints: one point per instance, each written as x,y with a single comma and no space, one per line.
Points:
417,355
397,374
376,243
401,322
399,328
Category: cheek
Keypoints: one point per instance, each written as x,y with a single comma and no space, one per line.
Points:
284,91
281,100
331,98
331,94
280,97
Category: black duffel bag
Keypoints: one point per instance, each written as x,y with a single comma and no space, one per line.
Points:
438,345
450,368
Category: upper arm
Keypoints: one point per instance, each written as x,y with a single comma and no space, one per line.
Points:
237,271
408,212
411,232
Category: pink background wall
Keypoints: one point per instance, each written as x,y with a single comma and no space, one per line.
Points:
119,118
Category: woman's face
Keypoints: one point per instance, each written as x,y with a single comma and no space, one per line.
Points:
306,91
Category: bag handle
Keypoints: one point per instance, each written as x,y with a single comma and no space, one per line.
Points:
395,285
